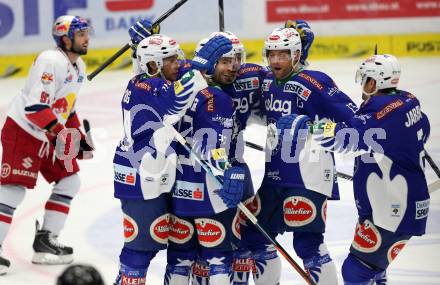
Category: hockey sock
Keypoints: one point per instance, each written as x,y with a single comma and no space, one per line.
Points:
356,272
317,261
267,266
220,266
58,206
133,266
10,197
242,266
381,278
179,265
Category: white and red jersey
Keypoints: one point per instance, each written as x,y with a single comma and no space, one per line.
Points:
49,94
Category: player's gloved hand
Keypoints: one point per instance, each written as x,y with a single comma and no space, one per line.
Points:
141,30
233,186
210,53
86,148
293,124
324,133
306,34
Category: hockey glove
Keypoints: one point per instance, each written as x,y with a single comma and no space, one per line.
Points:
306,34
233,185
140,30
293,124
210,53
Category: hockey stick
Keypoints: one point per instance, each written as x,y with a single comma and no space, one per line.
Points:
434,186
89,140
260,148
127,46
208,167
221,16
432,163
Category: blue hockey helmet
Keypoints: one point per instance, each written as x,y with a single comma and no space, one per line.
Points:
67,25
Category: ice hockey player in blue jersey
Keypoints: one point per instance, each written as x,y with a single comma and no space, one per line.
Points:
145,160
390,187
298,176
204,221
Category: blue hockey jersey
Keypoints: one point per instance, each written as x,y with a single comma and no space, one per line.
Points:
389,180
310,93
207,126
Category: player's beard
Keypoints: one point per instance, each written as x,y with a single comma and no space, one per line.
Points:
78,49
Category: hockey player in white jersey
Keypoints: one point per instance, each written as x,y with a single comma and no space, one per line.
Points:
36,120
145,160
390,187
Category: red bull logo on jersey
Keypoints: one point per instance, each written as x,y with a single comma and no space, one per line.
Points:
130,228
367,237
210,232
180,230
160,229
46,78
298,211
395,249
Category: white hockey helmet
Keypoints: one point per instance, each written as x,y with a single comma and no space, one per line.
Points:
154,49
383,68
237,46
282,39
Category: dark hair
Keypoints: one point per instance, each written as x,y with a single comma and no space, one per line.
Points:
80,274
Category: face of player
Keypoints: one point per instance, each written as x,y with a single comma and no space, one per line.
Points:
368,89
80,42
280,62
226,69
170,67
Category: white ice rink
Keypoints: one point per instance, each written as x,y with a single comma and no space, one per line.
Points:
94,226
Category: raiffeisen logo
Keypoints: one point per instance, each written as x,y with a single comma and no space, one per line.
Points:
127,5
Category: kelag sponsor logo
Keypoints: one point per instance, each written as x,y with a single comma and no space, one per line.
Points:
188,190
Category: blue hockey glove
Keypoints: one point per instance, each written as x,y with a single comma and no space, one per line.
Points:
306,34
233,186
210,53
141,30
293,123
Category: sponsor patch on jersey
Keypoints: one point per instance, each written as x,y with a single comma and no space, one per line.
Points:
6,170
226,122
142,85
422,209
25,173
160,229
298,89
253,204
44,97
219,154
367,237
249,69
332,91
246,84
298,211
130,228
188,190
243,265
68,79
200,269
266,84
210,232
388,109
124,175
181,230
46,78
178,87
277,105
210,100
80,79
312,80
395,249
236,226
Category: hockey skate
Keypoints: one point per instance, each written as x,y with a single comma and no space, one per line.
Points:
48,250
4,264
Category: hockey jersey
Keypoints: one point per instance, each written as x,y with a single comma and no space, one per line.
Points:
207,126
310,93
49,93
145,159
389,180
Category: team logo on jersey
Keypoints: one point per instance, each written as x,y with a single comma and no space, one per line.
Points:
160,229
298,211
266,84
253,204
6,170
298,89
324,211
236,226
46,78
367,237
246,84
124,175
130,228
277,105
181,230
27,162
200,269
189,190
395,249
210,232
422,209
